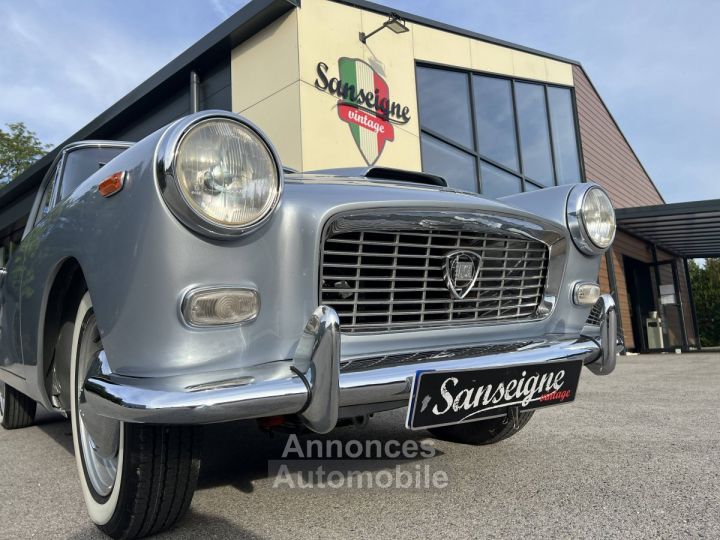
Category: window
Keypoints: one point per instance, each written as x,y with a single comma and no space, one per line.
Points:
495,120
83,162
444,102
496,135
456,166
562,121
534,133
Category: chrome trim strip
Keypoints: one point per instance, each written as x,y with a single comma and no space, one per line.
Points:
277,389
142,401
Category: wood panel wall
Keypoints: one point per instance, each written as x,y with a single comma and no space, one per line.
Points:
609,159
611,162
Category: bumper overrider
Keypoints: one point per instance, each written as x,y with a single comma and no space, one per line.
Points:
314,386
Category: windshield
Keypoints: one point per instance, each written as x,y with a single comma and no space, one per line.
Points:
82,163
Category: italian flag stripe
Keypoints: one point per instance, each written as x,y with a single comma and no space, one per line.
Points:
369,129
348,75
368,139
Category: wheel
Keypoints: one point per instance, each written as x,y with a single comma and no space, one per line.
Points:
16,409
136,479
483,431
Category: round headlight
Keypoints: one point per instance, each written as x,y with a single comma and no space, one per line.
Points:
591,219
219,169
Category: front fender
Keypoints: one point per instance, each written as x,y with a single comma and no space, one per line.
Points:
139,260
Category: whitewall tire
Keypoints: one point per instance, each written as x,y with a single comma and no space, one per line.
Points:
136,479
101,507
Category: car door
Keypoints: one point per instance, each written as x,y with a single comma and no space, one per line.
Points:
11,281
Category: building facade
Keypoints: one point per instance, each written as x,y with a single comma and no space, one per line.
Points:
489,116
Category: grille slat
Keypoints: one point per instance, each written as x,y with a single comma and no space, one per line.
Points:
474,299
412,289
429,279
450,235
395,280
411,256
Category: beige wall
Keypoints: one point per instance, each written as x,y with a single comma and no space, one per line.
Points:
274,74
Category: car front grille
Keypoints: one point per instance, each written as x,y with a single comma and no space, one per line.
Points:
596,314
381,280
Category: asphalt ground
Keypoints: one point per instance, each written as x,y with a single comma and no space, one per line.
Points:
637,455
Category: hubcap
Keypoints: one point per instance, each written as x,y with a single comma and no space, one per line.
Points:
99,436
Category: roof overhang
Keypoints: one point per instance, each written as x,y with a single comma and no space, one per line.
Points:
689,229
240,26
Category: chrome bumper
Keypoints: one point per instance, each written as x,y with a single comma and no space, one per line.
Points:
313,385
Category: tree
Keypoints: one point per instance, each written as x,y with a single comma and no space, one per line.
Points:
706,292
19,148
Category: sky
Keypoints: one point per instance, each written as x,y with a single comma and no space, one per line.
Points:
654,62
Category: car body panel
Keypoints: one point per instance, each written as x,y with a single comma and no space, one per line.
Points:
138,261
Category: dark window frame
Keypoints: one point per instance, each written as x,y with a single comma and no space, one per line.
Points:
469,73
50,190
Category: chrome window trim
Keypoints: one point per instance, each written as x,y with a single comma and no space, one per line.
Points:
552,236
576,223
172,194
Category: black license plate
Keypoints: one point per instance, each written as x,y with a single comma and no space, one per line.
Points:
441,398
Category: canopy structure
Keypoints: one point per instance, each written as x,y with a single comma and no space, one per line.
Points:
690,230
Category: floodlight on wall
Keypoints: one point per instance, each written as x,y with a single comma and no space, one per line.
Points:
394,23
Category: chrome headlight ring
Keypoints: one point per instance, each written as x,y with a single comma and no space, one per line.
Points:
576,220
166,167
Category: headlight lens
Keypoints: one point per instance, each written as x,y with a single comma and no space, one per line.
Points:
598,218
591,219
226,173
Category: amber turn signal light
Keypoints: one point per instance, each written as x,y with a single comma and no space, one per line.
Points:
112,184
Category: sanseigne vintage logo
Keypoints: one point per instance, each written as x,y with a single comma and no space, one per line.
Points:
441,398
521,391
364,104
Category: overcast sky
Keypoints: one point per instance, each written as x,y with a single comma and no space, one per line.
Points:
654,62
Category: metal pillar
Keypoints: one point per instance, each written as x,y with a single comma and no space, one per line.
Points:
194,92
676,284
692,306
660,307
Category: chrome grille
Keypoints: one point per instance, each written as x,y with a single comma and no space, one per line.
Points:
596,314
393,280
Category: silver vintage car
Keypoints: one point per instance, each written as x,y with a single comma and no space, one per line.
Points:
189,279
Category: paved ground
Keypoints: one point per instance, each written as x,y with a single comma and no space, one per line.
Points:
637,455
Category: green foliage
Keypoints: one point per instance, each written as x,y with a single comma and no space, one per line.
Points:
706,292
19,148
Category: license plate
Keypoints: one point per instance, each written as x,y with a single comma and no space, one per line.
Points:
442,398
